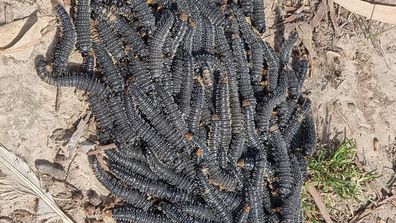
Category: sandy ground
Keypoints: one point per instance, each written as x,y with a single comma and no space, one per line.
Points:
352,88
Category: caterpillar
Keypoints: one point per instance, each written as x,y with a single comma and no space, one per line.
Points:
130,196
245,85
166,173
197,104
134,166
88,64
108,37
147,186
83,81
65,44
83,26
144,15
110,71
258,17
156,43
211,199
128,214
199,211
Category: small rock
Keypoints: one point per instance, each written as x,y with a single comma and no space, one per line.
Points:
77,195
59,134
53,169
94,198
376,144
89,209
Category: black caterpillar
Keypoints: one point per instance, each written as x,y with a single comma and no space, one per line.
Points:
209,122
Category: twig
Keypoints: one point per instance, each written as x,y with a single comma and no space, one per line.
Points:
75,138
100,148
319,202
333,17
369,209
57,96
320,13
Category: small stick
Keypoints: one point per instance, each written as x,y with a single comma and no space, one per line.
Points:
319,202
99,148
75,138
58,95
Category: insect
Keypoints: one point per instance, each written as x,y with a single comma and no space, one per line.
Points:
295,121
197,105
238,146
150,187
176,214
211,199
180,30
185,91
132,165
83,26
144,15
283,166
101,113
199,211
172,109
253,139
245,85
258,18
177,70
197,43
156,43
83,81
88,64
210,11
256,70
131,196
266,107
166,173
273,66
208,41
130,36
286,48
128,214
108,37
247,7
291,207
111,73
141,75
156,118
65,44
244,215
308,134
223,111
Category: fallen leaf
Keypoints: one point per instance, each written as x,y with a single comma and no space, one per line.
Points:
378,12
19,37
333,17
319,202
305,33
320,13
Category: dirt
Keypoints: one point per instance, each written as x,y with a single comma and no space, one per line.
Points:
352,86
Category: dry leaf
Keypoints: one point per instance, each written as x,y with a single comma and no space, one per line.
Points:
378,12
19,37
18,179
320,13
319,202
305,33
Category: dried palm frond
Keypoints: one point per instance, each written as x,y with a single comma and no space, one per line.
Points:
18,179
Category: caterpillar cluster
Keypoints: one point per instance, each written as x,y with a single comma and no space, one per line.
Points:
209,122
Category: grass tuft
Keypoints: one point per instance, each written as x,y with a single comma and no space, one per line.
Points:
337,176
